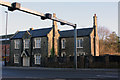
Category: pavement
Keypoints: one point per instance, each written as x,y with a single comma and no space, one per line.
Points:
45,68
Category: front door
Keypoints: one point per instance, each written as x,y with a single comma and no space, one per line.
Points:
26,61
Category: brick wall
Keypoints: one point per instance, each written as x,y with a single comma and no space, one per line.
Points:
69,46
84,62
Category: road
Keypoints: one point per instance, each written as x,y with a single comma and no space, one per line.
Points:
59,73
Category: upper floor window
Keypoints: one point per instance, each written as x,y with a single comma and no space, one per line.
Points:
63,43
26,43
37,42
17,44
80,43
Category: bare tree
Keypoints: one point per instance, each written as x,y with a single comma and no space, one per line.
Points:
103,32
112,42
108,41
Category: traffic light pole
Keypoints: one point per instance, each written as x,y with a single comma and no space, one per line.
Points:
6,36
17,6
75,47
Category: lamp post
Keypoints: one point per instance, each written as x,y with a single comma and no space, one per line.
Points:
6,35
75,46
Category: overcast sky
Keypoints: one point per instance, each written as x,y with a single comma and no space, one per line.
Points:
80,13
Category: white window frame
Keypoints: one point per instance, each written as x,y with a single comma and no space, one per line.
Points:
37,42
37,58
63,46
79,43
17,43
81,53
26,45
63,53
16,58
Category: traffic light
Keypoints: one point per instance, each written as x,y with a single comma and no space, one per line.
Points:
14,6
43,18
48,16
62,23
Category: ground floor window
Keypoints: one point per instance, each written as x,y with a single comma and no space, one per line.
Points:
16,58
63,54
81,54
37,59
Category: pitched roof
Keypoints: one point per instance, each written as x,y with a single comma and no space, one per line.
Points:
34,33
80,32
18,35
4,36
40,32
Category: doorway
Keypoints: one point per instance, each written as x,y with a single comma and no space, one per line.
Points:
26,61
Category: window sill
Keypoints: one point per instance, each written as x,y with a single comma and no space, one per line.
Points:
79,47
63,48
26,48
36,47
17,48
37,64
16,62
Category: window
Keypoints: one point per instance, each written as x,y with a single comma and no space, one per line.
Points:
16,58
63,43
63,54
37,59
17,43
81,53
80,43
37,42
26,43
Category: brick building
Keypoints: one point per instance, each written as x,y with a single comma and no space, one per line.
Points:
87,41
5,43
29,48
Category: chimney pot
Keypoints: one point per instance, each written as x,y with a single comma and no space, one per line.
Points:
31,29
94,14
54,15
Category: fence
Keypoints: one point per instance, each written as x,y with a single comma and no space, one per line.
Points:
107,61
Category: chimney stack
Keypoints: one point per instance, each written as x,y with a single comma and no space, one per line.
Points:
95,32
55,23
95,20
54,15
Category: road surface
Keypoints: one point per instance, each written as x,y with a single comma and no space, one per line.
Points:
59,73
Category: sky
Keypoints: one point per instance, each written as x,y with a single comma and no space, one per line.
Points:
80,13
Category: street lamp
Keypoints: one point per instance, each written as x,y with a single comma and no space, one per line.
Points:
6,35
75,46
